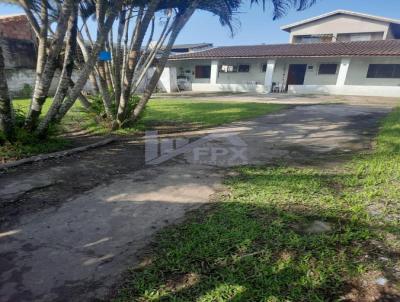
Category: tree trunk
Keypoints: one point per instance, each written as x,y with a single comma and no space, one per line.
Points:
176,28
6,110
104,89
133,59
42,88
66,73
89,65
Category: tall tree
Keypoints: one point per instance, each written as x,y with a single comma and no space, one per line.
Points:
6,110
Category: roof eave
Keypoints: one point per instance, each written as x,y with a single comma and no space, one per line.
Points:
283,57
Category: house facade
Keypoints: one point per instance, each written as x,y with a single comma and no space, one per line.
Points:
342,52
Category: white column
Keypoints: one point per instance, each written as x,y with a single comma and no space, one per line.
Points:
268,75
344,68
214,72
165,80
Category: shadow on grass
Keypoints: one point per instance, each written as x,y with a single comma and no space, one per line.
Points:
258,245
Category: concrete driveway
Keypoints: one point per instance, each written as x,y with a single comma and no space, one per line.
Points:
78,249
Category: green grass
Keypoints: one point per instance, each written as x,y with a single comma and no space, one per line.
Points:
158,112
204,113
253,246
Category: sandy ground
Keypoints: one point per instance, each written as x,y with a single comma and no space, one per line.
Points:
71,227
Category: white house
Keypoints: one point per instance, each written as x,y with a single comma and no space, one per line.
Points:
341,52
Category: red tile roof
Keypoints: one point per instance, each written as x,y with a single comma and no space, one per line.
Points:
337,49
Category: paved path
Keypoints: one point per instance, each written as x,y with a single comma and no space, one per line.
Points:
77,250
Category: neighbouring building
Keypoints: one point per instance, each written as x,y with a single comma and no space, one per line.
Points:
19,50
341,52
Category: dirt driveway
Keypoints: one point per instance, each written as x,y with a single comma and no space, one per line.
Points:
71,227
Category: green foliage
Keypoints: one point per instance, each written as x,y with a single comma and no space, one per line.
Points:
26,91
27,144
204,113
253,245
98,105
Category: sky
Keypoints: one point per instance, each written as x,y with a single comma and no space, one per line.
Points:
257,27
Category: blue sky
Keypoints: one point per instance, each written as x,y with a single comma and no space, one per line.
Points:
258,27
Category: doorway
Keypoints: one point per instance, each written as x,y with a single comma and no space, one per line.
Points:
296,74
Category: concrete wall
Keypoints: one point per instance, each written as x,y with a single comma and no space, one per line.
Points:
254,76
386,91
357,74
187,68
312,77
241,78
18,78
340,24
168,82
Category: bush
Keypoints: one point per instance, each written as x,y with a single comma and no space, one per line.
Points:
97,106
26,91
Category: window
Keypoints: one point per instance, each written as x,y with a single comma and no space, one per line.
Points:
360,37
327,68
203,71
384,71
264,68
244,68
235,68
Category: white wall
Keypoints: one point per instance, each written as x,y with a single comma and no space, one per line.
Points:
386,91
168,82
311,77
227,87
357,74
356,82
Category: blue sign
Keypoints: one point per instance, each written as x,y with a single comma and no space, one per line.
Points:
104,55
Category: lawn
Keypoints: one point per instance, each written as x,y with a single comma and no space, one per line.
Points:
158,112
258,243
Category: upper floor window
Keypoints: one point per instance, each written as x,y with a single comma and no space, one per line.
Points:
203,71
384,71
360,37
307,39
330,68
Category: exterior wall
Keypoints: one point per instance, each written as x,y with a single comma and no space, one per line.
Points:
187,68
385,91
340,24
255,76
357,74
312,77
355,81
228,87
167,82
17,79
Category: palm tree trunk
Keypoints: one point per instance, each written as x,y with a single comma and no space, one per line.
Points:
42,88
89,65
176,28
134,54
66,73
6,110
